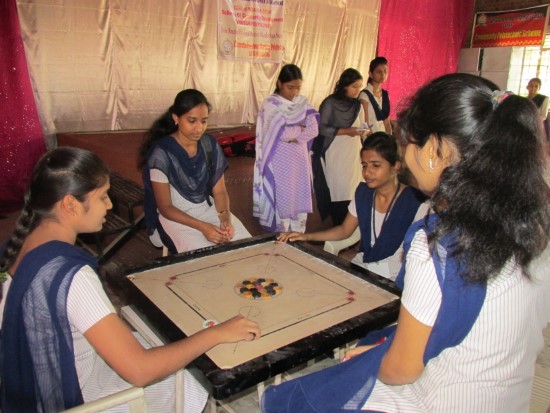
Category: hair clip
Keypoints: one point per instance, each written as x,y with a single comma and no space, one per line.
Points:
499,96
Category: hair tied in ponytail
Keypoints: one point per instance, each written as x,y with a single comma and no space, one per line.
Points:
499,96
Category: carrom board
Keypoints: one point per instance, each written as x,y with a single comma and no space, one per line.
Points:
315,295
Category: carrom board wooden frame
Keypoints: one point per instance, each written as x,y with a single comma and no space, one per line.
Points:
168,293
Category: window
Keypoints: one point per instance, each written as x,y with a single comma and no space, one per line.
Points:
535,63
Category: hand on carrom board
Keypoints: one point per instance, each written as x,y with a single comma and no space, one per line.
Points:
238,328
291,236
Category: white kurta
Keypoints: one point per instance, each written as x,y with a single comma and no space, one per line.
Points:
184,237
543,109
342,164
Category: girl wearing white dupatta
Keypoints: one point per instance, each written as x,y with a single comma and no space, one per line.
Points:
287,123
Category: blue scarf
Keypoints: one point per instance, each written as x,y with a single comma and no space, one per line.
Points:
38,367
346,386
381,113
188,175
393,232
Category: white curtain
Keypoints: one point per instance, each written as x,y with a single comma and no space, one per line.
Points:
118,64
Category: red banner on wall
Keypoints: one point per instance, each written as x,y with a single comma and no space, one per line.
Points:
512,28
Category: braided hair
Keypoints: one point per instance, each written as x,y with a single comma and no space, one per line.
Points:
59,172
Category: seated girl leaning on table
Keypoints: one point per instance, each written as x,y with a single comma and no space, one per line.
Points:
383,208
62,342
476,285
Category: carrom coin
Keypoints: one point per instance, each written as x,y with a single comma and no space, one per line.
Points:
258,288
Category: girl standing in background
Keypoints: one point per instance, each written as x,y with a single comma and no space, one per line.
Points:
375,100
336,161
283,179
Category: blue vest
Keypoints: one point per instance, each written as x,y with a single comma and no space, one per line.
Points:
393,232
383,112
38,368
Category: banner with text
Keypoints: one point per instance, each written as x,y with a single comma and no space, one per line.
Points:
251,30
512,28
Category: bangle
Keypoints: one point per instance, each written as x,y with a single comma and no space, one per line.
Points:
223,211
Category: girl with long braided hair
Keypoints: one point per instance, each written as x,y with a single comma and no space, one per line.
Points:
63,343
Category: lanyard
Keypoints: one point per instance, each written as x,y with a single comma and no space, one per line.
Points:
390,206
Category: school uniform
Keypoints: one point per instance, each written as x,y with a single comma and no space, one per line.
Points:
47,365
480,356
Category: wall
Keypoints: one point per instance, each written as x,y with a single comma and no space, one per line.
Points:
98,65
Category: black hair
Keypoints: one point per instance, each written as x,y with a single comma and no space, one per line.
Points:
347,77
385,145
374,63
494,198
185,101
288,73
59,172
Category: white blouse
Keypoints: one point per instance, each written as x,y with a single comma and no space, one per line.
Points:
493,368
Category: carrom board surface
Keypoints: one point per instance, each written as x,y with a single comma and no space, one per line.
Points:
315,295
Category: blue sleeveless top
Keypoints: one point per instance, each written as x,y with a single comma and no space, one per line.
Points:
394,229
37,358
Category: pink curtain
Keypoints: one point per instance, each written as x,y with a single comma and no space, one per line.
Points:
421,40
21,138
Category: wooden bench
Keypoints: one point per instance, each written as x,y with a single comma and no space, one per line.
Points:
124,194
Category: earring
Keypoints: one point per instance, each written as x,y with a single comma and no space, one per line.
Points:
176,122
431,165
